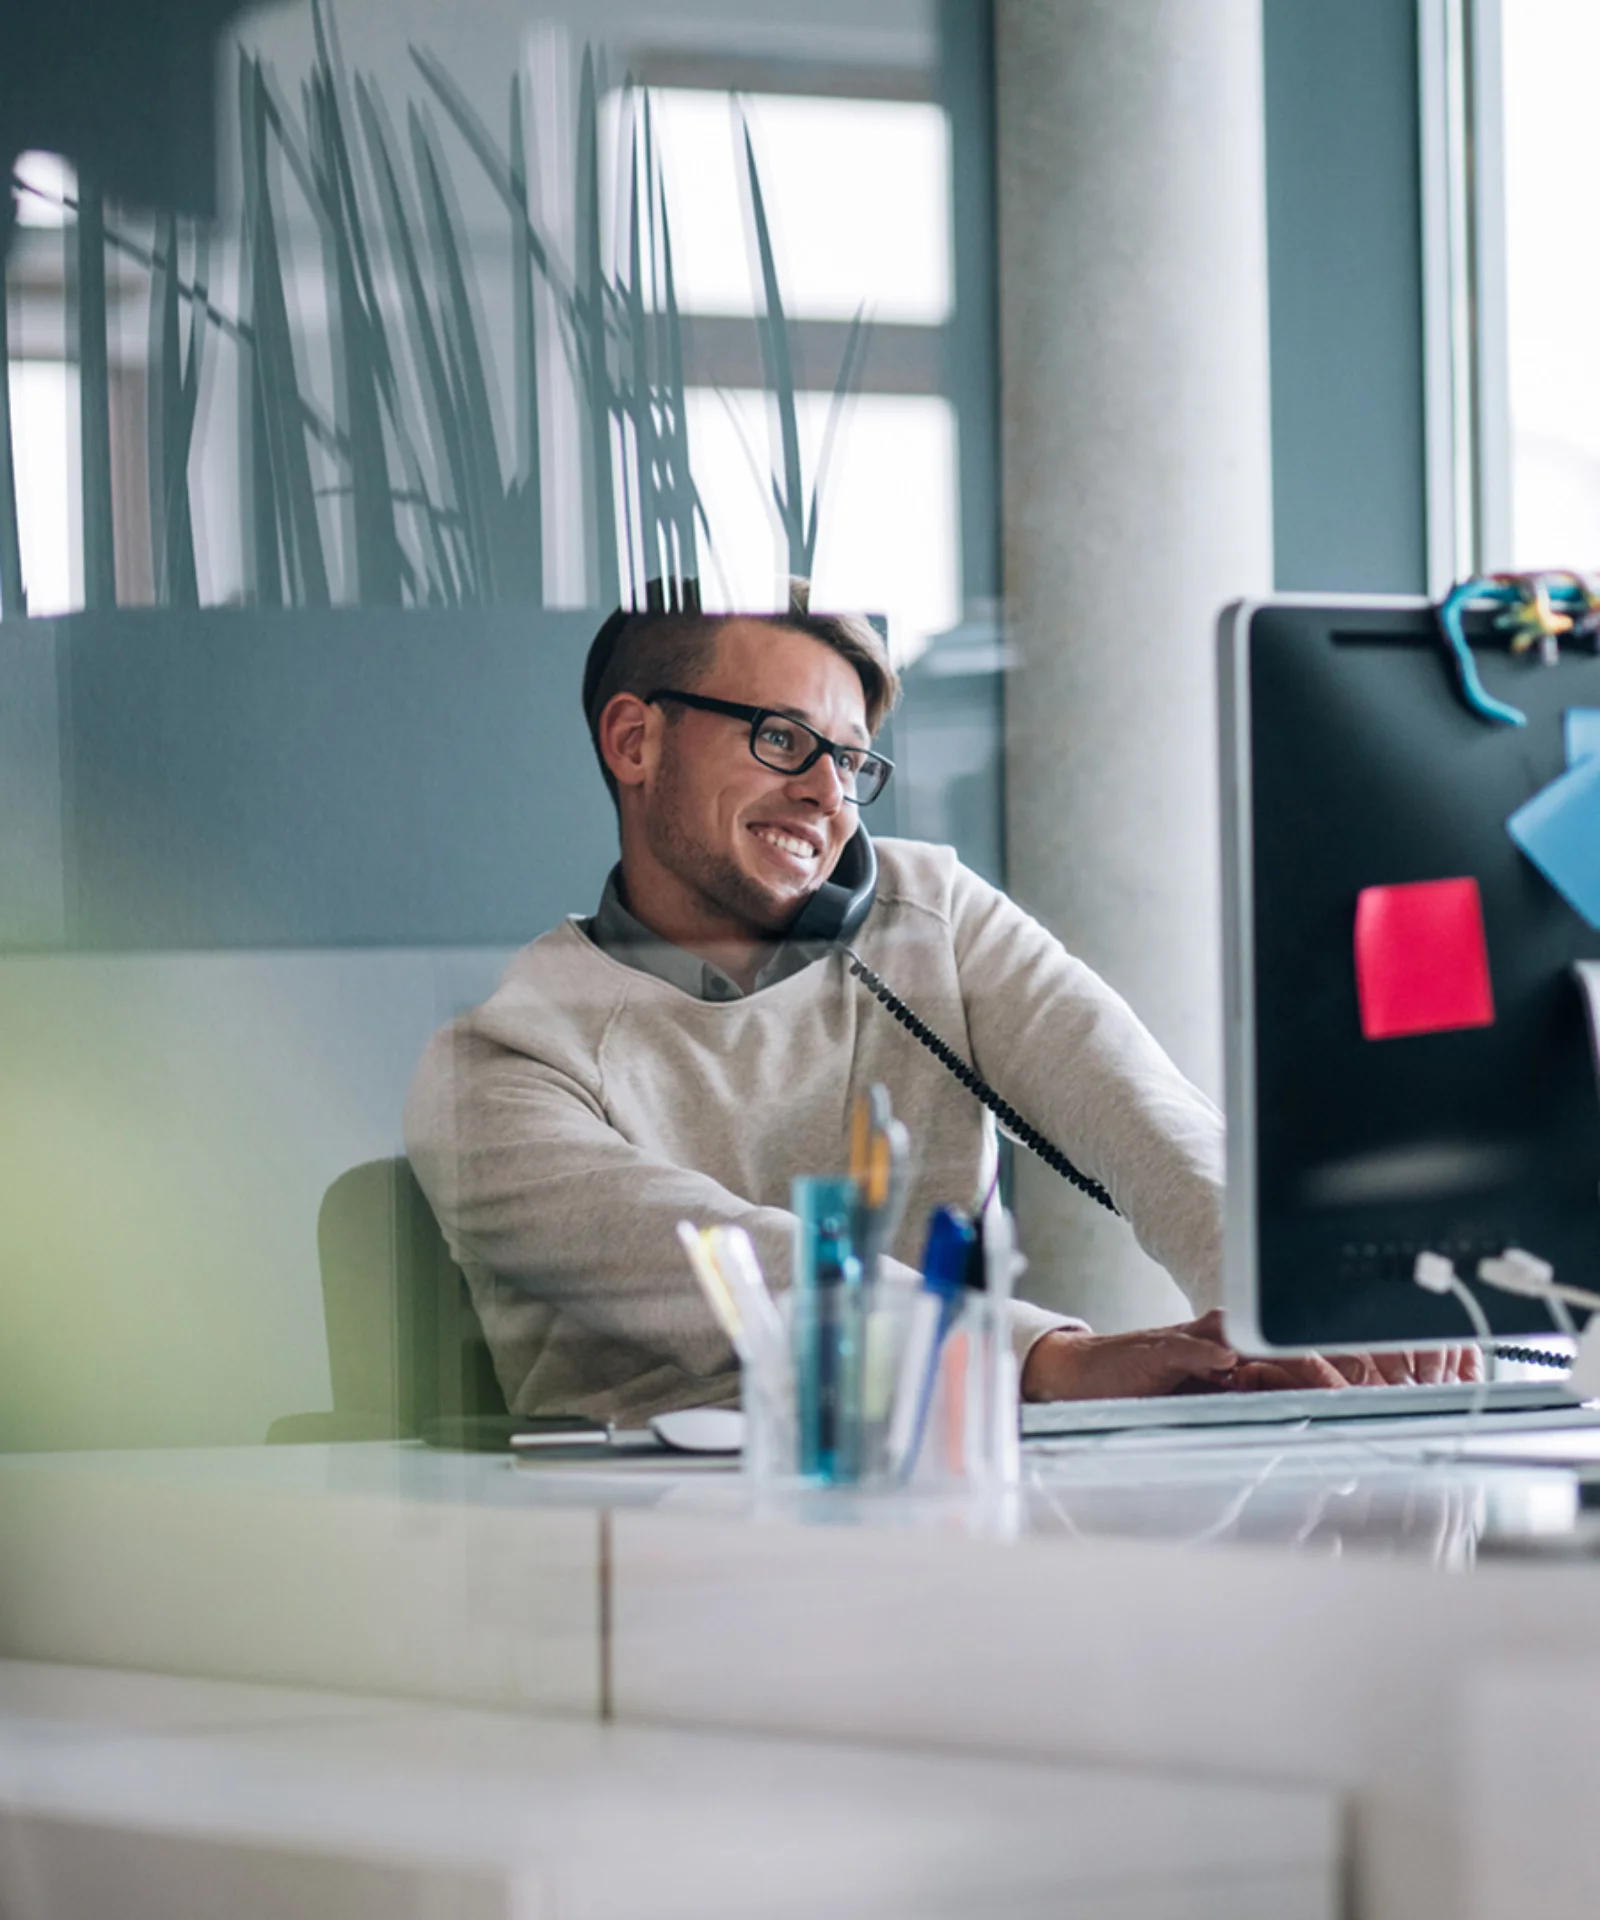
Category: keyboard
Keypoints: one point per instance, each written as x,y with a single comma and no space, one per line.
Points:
1048,1419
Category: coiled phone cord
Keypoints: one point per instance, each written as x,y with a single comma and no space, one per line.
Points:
1046,1149
1006,1114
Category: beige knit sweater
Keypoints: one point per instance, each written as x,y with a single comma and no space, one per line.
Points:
562,1128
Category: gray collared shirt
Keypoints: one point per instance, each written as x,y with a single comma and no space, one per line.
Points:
616,931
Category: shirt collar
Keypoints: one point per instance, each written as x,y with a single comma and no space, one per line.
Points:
620,933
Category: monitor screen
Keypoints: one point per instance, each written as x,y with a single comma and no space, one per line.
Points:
1409,1062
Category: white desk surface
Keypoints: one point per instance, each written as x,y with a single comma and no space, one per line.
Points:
1426,1494
1272,1611
134,1794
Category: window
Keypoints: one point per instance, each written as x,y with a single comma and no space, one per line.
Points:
274,496
1552,280
857,195
1512,194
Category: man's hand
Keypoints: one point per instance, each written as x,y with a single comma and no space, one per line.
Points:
1114,1366
1426,1367
1194,1357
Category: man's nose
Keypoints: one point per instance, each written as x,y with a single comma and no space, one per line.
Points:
822,783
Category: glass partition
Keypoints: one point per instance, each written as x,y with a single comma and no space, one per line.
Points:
507,310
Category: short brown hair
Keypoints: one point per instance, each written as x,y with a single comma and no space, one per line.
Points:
638,652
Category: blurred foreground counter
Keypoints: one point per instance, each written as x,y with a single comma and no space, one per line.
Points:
162,1799
1342,1625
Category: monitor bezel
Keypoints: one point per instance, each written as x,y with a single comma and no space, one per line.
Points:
1241,1276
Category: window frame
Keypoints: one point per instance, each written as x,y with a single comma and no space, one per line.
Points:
1465,351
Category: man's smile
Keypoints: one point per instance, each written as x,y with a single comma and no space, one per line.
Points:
796,846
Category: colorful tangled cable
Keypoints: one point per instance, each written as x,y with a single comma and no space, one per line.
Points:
1539,611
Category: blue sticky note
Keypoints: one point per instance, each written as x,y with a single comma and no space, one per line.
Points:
1559,831
1582,729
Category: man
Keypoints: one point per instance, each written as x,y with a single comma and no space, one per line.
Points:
677,1056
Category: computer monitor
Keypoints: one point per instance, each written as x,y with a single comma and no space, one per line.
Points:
1353,771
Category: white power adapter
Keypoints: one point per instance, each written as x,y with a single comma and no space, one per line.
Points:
1435,1272
1518,1271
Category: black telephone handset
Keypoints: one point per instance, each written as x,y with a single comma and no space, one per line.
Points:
834,913
832,917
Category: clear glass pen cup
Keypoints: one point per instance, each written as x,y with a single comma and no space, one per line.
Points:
833,1430
929,1394
969,1430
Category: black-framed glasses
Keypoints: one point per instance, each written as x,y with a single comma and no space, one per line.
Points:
788,745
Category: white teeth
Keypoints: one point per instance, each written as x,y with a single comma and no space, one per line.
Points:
787,843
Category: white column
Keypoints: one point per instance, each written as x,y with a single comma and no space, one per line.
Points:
1136,494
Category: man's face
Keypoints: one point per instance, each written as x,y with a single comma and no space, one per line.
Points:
751,842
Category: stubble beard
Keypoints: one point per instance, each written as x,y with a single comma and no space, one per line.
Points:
720,882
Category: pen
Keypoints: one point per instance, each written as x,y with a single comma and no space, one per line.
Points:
944,1268
878,1154
1001,1261
767,1386
829,1330
996,1430
735,1261
894,1207
713,1286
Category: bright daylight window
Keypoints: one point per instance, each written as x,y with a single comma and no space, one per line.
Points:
1552,268
857,193
44,424
44,421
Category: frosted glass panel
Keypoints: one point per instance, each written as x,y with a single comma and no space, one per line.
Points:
319,504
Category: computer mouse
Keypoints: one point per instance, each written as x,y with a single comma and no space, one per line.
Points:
700,1430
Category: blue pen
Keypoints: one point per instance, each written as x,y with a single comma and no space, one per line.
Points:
829,1331
945,1261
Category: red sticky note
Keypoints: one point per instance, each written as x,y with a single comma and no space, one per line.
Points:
1422,964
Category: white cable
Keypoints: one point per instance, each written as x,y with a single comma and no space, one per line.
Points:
1485,1333
1437,1274
1561,1313
1521,1272
1517,1271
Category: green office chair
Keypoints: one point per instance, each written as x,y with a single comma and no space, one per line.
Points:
404,1344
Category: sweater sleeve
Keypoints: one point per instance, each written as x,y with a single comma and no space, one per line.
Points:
530,1180
1072,1057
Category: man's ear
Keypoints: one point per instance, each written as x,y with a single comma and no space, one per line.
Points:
627,738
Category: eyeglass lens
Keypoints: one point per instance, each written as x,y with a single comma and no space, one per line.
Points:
786,745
